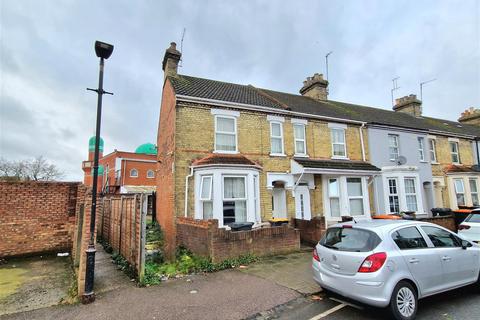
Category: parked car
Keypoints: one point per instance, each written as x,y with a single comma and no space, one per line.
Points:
470,227
393,263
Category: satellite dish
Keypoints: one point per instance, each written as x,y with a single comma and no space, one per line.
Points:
401,160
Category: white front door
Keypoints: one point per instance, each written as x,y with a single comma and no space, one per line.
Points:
302,203
279,203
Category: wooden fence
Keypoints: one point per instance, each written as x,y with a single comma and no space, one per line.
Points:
121,223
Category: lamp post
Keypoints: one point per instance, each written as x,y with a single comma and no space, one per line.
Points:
103,51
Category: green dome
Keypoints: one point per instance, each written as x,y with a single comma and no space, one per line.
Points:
91,144
100,168
146,148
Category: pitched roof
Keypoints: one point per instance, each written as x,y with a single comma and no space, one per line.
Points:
337,164
247,94
224,159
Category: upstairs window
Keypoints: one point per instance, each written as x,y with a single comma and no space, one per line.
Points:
134,173
150,174
432,150
299,137
276,138
338,143
393,147
421,148
454,152
225,134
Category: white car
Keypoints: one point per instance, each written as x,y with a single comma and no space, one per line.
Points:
470,228
393,263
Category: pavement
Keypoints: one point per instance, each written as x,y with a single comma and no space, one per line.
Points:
293,271
35,282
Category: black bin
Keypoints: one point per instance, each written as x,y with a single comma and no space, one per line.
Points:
241,226
441,212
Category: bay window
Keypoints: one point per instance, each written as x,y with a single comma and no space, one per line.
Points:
355,196
345,196
393,199
334,197
411,194
276,138
474,191
206,197
459,191
225,134
338,143
234,200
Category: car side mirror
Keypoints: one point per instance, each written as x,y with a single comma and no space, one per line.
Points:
466,244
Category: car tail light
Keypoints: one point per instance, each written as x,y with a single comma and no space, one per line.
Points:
463,227
373,262
315,255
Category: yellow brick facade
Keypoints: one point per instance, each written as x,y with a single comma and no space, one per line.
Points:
194,139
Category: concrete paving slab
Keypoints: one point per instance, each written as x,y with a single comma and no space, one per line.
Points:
292,271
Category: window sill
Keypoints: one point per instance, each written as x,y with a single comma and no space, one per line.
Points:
340,158
226,152
423,161
301,156
434,162
278,155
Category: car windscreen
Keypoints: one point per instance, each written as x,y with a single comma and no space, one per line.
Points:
350,239
473,218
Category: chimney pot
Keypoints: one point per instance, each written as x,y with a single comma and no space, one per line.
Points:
170,60
409,104
470,116
315,87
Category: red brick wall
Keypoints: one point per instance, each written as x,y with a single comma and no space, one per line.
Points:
36,217
165,175
203,237
310,230
127,165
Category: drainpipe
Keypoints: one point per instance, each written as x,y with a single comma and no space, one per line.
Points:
361,141
186,190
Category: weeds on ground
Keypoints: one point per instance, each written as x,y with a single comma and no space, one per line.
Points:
188,263
124,265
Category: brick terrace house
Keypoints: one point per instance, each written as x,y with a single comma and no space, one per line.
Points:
237,153
122,171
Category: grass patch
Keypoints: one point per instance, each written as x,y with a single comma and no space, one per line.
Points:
188,263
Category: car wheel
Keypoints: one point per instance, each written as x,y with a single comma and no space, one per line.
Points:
404,301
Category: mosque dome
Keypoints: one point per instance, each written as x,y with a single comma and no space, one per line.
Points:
91,144
146,148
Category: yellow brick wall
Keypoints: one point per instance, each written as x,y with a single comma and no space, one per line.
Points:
195,139
444,157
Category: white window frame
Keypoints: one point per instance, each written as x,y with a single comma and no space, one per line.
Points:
456,153
329,197
349,197
296,139
344,144
235,133
456,191
153,174
344,198
131,171
415,193
282,153
432,149
209,198
397,147
421,148
401,176
390,194
472,193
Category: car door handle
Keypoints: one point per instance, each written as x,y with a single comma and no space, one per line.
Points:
446,258
414,260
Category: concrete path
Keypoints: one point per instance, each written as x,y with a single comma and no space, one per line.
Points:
107,276
223,295
293,271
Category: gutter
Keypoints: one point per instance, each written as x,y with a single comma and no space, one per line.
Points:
186,190
244,106
361,141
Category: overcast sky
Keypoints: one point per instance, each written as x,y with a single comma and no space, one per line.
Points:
47,61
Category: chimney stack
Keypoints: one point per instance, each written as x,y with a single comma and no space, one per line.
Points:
470,116
409,104
170,60
315,87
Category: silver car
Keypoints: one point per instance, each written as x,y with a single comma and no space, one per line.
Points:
393,263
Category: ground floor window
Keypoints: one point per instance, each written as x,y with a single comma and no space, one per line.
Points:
459,191
474,191
402,192
346,196
228,195
411,194
393,199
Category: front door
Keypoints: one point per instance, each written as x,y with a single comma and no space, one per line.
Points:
279,203
302,203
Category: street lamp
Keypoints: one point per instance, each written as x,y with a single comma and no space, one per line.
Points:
103,51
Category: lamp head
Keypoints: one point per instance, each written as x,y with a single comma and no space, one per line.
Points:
103,50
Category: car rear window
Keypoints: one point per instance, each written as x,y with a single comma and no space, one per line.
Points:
473,218
350,239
